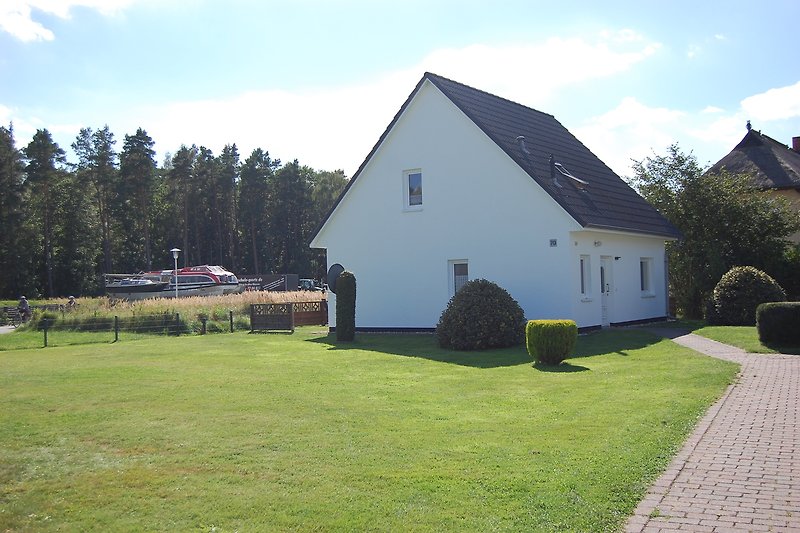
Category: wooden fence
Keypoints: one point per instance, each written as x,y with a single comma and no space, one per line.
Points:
285,316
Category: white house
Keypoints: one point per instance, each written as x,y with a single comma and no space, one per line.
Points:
465,185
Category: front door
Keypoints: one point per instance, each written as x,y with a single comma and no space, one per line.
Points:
606,289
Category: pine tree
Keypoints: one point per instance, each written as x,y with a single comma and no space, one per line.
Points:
137,169
45,175
256,181
15,259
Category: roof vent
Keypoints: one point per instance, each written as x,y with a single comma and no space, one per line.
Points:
521,141
749,127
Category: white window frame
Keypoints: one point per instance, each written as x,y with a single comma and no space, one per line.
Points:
407,199
646,277
451,274
585,280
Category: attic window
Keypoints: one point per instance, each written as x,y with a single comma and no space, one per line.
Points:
412,189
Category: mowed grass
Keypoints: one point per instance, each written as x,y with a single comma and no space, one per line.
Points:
249,432
746,338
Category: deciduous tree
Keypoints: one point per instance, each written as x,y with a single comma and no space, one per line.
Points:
724,219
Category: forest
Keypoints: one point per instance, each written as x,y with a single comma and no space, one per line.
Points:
63,225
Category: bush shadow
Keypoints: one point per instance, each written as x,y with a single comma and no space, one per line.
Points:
564,367
784,349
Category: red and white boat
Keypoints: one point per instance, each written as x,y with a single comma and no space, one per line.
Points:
203,280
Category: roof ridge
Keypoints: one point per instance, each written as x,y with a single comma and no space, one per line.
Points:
432,76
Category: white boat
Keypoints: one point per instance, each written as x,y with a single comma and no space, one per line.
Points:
203,280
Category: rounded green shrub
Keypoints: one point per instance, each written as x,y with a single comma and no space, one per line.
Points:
481,315
346,307
551,341
778,323
738,294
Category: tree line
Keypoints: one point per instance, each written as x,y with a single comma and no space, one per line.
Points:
66,224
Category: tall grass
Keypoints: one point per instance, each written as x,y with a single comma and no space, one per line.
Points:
216,310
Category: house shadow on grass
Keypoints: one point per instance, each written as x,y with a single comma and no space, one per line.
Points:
424,346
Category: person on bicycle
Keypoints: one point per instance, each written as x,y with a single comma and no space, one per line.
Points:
24,309
71,303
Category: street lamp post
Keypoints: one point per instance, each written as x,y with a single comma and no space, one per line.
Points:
175,252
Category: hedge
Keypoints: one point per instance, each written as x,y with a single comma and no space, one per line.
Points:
551,341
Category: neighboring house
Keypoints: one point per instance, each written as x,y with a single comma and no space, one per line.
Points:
461,186
773,167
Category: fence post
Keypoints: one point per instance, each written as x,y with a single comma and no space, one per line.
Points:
203,329
177,323
44,327
230,316
116,328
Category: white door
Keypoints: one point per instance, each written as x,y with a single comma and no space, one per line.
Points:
606,289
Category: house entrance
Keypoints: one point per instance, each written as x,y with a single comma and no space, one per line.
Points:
606,288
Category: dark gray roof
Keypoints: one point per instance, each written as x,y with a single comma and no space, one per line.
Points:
606,202
770,164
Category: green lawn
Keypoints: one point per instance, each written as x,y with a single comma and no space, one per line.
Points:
745,337
240,432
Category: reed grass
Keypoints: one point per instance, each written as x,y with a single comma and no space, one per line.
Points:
217,310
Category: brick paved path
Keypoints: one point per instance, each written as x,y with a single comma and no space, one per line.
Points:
740,469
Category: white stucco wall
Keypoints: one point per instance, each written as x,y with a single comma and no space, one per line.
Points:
626,301
478,206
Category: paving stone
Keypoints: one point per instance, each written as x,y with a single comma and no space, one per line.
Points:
740,468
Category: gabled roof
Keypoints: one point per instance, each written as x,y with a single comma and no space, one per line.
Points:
772,165
607,202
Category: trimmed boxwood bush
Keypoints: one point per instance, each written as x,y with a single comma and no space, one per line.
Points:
481,315
739,292
778,323
551,341
346,306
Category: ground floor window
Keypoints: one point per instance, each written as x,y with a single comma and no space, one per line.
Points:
646,276
459,274
586,278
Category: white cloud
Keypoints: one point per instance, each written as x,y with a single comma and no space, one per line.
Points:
16,16
774,104
632,130
330,128
532,73
336,127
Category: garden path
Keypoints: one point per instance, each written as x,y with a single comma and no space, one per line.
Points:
740,468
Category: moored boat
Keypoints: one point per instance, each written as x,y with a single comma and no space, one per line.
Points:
203,280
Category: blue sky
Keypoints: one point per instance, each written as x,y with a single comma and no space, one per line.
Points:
318,81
